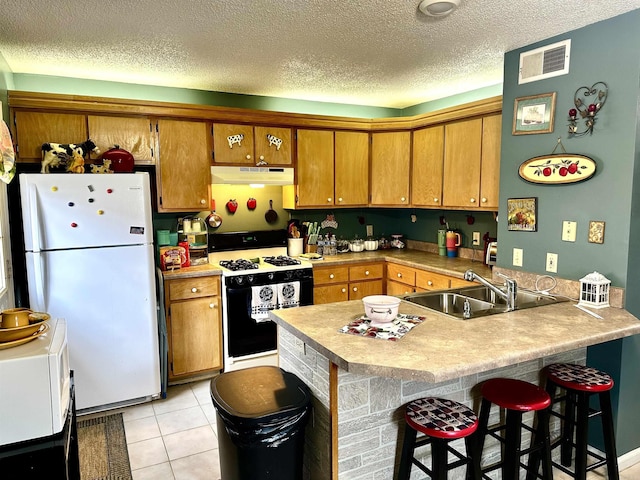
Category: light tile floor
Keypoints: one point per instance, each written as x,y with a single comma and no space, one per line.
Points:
176,439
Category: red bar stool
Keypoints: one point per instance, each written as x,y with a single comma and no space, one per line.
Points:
516,397
579,384
441,421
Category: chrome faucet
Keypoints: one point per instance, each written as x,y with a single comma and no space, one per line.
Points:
510,283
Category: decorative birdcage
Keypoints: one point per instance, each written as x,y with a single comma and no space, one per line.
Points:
594,290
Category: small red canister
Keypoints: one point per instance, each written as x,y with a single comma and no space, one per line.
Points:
121,160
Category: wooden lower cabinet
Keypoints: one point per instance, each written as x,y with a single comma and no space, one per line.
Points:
194,326
403,280
342,283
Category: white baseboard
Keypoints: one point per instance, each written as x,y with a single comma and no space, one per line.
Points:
629,459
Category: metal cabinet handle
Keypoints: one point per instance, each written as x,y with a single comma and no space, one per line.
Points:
329,200
436,200
344,290
339,199
194,290
402,199
484,200
355,289
366,272
473,200
399,275
430,283
331,275
248,157
212,305
203,201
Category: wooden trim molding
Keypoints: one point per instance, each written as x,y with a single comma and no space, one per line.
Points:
116,106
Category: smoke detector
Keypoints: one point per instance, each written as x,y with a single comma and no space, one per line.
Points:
438,8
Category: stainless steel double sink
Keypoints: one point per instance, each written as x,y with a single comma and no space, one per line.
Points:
477,301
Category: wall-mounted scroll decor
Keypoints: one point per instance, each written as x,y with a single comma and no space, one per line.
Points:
557,168
522,214
588,102
534,114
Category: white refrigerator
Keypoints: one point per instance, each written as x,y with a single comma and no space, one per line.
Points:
89,255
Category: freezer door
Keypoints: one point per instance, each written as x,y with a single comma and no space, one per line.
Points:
108,298
75,211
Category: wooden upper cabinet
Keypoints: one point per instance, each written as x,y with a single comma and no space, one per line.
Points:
32,129
315,169
427,168
462,157
272,145
390,160
267,146
184,173
134,134
490,172
351,168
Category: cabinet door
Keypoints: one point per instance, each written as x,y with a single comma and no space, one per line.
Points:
273,145
390,160
184,173
133,134
315,168
490,173
35,128
427,169
195,336
229,148
351,168
359,290
330,293
462,154
397,288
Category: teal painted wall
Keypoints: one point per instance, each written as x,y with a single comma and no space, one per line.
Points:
607,52
49,84
6,83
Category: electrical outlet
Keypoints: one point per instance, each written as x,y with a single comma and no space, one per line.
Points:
517,257
569,231
369,230
552,262
476,238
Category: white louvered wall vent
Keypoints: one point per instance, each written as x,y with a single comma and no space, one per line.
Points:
545,62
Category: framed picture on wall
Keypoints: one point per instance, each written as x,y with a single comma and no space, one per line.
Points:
522,214
534,114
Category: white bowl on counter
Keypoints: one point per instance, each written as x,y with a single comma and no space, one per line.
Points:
356,246
381,309
371,244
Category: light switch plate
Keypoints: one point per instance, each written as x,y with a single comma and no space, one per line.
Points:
476,238
369,230
569,231
517,257
552,262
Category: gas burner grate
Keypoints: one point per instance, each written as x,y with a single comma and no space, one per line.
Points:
281,261
240,264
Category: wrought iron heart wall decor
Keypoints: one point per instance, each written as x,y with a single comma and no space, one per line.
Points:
587,108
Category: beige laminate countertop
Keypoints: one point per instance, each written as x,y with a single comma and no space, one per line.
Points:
442,348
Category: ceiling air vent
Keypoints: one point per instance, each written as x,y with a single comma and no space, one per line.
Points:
544,62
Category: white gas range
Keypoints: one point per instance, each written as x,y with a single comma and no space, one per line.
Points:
257,277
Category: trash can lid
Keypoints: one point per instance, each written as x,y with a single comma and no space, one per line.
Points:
258,391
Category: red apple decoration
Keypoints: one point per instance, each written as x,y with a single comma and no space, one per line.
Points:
251,203
232,206
573,112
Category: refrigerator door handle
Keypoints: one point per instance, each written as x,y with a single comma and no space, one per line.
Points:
39,270
35,218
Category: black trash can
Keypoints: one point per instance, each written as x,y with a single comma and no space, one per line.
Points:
261,415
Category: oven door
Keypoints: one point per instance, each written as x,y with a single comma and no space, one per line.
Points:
245,335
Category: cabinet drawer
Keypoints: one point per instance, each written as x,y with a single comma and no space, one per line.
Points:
402,274
186,288
324,275
459,283
366,272
432,281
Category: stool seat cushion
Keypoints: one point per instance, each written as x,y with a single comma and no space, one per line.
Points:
579,377
515,394
441,418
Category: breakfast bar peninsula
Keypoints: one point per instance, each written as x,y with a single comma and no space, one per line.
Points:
360,384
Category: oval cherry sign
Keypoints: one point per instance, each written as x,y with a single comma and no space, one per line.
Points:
563,168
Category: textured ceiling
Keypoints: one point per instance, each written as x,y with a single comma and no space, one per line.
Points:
374,52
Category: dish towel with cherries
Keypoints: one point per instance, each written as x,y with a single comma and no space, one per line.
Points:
288,294
394,330
263,299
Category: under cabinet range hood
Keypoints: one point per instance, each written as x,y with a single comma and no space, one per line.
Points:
252,175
